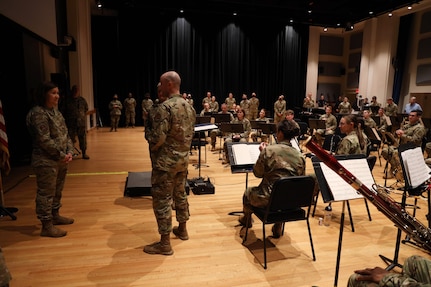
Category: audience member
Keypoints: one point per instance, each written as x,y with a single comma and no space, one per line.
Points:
52,152
174,125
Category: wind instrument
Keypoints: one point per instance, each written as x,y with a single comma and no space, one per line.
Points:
379,196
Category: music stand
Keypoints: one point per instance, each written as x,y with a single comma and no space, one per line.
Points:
268,129
201,128
408,175
316,124
255,124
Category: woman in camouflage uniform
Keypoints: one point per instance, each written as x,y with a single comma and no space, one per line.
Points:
52,151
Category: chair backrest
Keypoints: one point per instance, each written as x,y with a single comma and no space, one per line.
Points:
303,128
291,192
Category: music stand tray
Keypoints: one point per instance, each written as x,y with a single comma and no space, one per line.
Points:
232,128
316,124
222,118
203,119
268,128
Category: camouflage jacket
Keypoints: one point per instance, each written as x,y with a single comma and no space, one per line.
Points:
173,130
51,141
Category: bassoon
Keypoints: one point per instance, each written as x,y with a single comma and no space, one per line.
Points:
379,196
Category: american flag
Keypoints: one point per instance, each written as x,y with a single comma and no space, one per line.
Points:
4,146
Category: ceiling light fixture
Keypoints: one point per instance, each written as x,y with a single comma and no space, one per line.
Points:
409,7
99,4
390,14
325,29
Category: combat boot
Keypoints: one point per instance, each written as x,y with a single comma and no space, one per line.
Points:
277,229
84,154
49,230
57,219
163,247
181,231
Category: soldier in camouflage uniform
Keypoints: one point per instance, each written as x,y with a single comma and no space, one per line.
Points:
279,109
391,108
76,120
245,106
237,137
413,132
330,125
147,104
173,126
345,107
130,110
275,161
5,275
230,101
254,107
355,141
416,272
115,108
368,120
52,151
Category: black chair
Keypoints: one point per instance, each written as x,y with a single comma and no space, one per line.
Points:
291,199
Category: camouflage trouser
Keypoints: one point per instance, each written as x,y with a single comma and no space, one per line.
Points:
50,183
115,121
169,187
5,275
82,136
416,271
253,196
130,117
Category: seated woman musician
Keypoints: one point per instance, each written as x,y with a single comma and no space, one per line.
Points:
355,141
237,137
256,133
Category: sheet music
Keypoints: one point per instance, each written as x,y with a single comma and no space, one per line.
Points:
204,127
294,142
340,189
388,121
245,153
417,172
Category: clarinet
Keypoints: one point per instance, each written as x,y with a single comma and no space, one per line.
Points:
380,198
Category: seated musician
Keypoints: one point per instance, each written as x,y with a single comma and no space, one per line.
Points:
383,126
415,272
330,124
216,132
275,161
368,120
237,137
256,133
355,141
413,132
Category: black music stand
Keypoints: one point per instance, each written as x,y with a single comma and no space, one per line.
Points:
201,128
316,124
328,196
324,188
268,129
407,173
221,118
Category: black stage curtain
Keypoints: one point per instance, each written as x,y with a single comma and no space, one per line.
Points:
131,51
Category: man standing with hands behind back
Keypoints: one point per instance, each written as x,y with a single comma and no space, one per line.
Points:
173,124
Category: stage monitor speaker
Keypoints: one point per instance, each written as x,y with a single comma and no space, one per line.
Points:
138,184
